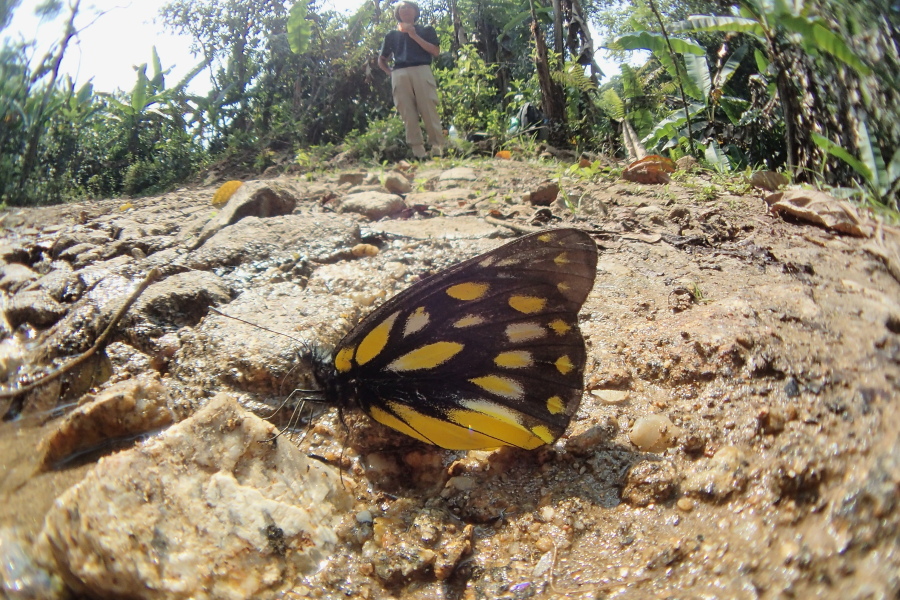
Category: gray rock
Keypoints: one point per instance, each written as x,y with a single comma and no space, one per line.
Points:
15,276
366,187
373,205
272,240
726,472
253,199
215,507
650,482
72,252
396,183
351,178
124,410
458,174
177,301
451,196
458,177
36,307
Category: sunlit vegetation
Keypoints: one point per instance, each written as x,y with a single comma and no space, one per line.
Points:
808,88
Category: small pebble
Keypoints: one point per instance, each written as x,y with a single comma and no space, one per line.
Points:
461,483
654,433
546,514
686,504
361,250
611,396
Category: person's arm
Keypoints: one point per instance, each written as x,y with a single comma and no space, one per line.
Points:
432,49
383,64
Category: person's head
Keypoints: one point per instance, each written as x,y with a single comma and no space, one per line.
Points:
408,9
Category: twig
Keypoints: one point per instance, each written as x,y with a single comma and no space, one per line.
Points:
101,339
517,228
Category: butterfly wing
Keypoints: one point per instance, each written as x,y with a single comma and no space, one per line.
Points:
483,354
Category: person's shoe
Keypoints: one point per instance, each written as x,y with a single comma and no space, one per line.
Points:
437,151
419,152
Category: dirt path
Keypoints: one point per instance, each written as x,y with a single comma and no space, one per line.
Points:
766,351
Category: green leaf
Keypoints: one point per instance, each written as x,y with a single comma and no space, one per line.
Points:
734,108
870,154
299,29
139,93
656,43
85,93
728,69
762,62
840,152
710,23
183,83
893,169
613,104
157,82
717,158
831,42
698,77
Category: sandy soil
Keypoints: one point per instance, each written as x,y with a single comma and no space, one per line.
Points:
771,347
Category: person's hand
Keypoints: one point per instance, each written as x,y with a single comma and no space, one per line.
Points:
406,27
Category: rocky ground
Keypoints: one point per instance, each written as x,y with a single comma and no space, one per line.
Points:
737,436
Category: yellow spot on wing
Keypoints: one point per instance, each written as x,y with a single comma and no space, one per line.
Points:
342,360
386,418
441,432
497,422
527,304
560,326
564,365
562,259
545,237
544,433
375,340
468,321
501,386
416,321
426,357
555,405
514,360
467,291
563,287
524,332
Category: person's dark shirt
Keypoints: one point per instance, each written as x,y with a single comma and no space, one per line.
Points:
407,53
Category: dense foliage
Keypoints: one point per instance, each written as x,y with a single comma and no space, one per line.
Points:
807,87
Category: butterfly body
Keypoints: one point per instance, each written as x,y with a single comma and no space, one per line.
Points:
483,354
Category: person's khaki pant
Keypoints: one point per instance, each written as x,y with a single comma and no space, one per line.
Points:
415,93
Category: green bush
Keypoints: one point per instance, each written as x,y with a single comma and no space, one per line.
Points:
382,141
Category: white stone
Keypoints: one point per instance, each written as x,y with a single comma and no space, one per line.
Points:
212,509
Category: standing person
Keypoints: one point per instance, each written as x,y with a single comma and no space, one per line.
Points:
412,82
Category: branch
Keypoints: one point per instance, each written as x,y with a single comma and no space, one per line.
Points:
101,339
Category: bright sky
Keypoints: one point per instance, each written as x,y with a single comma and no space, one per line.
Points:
123,37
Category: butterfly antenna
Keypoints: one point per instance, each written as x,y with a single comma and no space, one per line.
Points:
219,312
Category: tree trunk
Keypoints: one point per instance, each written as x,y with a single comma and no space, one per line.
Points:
552,97
558,35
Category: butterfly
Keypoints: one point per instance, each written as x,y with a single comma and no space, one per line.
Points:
483,354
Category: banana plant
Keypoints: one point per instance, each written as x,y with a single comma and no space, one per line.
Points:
783,28
882,179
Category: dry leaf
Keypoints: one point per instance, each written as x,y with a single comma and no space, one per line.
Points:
821,209
650,169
